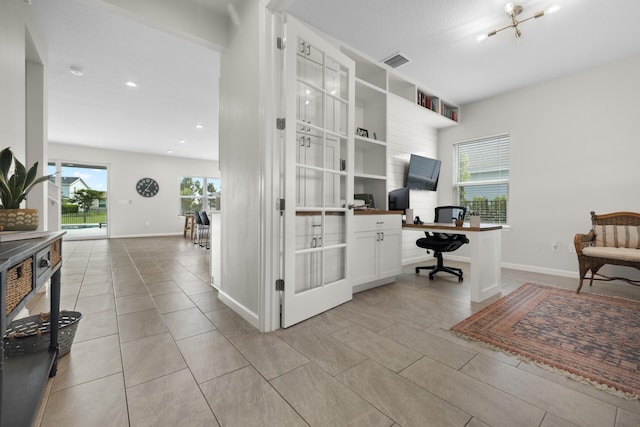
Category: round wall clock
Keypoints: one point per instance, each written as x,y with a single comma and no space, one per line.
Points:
147,187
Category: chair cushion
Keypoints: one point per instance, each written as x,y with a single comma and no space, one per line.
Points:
624,254
617,236
442,242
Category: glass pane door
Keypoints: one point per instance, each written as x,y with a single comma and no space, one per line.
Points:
319,177
83,199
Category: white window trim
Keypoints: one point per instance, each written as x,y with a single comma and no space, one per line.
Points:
458,184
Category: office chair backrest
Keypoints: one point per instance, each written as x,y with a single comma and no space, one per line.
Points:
204,217
447,214
196,217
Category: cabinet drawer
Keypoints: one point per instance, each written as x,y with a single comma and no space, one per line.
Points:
19,283
56,254
376,222
43,262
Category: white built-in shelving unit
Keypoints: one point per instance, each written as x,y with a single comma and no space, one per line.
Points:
375,84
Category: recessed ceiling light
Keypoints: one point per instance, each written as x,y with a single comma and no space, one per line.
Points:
182,141
199,126
169,151
131,84
76,71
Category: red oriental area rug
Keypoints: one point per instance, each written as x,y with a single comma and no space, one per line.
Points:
594,337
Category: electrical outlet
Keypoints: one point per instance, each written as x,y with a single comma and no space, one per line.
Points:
572,249
555,246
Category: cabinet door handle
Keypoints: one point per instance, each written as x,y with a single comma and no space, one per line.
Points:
320,241
308,49
302,47
309,141
302,139
377,236
382,235
314,242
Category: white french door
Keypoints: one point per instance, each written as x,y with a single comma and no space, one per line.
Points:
319,92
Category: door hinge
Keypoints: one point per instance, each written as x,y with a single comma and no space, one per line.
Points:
280,123
280,285
280,44
280,205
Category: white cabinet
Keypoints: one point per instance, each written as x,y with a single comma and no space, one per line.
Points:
376,251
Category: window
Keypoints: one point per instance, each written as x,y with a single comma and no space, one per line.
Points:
481,177
197,194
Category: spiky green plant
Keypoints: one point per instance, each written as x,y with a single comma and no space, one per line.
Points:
14,188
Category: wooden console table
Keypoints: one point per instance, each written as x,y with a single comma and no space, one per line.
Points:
23,378
485,244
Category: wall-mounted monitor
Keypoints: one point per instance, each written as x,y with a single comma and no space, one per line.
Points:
423,173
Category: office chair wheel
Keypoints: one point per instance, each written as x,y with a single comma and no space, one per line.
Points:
417,270
460,279
431,277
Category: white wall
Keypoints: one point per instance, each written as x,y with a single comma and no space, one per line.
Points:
23,61
128,211
190,21
574,149
240,164
409,132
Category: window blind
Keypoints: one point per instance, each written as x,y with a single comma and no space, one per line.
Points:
481,177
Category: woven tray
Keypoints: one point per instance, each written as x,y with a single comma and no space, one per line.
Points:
31,334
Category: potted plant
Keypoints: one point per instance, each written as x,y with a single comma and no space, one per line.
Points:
14,189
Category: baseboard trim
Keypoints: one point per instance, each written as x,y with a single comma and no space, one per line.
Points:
542,270
127,236
509,265
240,309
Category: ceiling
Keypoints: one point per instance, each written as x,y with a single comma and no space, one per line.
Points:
440,38
178,80
177,84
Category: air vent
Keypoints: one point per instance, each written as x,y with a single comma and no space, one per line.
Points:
396,60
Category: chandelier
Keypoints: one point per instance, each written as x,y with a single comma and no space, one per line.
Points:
513,10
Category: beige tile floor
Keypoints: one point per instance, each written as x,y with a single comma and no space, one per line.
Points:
157,348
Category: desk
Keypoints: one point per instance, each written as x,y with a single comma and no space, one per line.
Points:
485,244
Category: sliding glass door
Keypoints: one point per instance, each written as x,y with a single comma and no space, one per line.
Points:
83,197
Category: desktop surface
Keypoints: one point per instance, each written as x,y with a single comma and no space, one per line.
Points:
445,226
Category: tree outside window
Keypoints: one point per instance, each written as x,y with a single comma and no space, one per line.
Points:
197,194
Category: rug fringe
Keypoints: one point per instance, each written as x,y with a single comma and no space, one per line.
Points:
579,378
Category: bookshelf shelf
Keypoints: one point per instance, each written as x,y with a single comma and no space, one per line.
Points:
379,88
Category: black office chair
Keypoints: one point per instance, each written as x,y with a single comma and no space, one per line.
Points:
443,242
205,232
198,227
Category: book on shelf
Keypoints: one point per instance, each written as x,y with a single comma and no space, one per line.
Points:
12,236
426,101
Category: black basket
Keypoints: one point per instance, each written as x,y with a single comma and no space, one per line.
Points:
31,334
